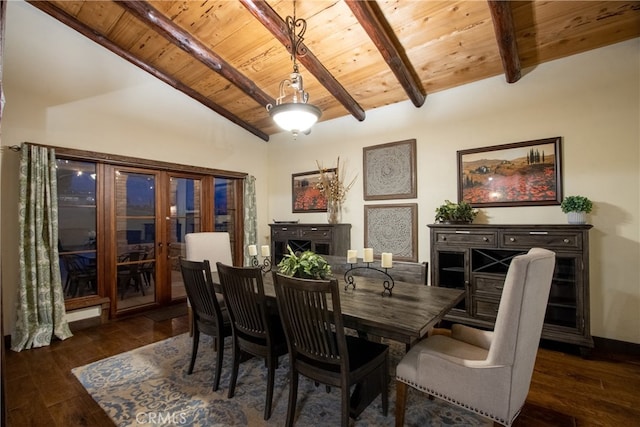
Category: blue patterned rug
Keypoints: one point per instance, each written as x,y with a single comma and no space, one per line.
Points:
150,386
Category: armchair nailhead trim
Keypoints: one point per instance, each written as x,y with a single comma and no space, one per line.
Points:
455,402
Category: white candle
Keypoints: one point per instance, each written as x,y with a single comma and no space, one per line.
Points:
253,250
387,260
352,256
368,254
265,251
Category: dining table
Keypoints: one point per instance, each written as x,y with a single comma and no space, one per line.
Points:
406,316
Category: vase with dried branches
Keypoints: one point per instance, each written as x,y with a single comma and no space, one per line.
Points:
331,185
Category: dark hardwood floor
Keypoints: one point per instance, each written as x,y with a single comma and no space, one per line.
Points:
566,389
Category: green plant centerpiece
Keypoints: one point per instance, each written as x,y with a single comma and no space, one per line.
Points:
307,265
576,208
576,204
455,213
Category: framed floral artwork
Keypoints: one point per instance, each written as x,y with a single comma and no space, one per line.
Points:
519,174
305,194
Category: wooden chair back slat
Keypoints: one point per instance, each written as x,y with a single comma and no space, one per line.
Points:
243,290
310,310
200,291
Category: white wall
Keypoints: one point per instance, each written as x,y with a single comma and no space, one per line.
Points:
82,96
64,90
591,100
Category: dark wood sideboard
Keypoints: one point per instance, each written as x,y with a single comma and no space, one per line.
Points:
323,239
476,258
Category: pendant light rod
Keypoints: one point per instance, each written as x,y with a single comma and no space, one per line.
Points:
296,115
264,13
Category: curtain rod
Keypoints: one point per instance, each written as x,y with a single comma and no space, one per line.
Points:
17,148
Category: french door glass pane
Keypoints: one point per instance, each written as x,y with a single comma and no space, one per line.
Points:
77,227
224,203
185,217
136,238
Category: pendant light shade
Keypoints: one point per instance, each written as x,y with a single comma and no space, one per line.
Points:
296,115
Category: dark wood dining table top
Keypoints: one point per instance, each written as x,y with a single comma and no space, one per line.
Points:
406,316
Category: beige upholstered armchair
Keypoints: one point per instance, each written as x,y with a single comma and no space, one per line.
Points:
482,371
213,246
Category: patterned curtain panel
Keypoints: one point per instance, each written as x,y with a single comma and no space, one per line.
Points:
250,216
41,313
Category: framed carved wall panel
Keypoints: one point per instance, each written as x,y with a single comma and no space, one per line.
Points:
389,171
392,228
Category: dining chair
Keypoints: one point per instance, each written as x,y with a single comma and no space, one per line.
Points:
214,246
318,347
487,372
257,331
208,317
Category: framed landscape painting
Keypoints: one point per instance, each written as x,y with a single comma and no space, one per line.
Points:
519,174
305,195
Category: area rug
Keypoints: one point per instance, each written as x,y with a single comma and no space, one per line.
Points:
150,386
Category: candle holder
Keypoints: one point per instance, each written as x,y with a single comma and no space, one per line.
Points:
265,267
388,283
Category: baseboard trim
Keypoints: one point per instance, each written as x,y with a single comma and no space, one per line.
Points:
617,347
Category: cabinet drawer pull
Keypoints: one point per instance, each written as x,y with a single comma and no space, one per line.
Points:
512,239
462,232
566,240
444,238
284,228
499,287
314,229
542,233
485,239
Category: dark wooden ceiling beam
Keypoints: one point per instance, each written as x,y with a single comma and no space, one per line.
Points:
150,16
72,22
370,17
274,23
506,38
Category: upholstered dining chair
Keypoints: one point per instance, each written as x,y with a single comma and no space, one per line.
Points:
208,317
319,349
487,372
214,246
257,331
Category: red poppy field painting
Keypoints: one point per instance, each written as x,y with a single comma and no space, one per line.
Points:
305,195
518,174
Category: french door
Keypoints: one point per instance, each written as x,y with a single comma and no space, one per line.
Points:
122,226
185,215
135,235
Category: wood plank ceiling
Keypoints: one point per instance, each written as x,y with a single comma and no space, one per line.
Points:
232,55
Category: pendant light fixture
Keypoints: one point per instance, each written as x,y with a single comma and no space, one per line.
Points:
295,115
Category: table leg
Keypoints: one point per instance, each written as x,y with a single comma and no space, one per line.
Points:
364,393
367,390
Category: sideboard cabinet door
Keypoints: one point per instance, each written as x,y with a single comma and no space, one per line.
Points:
476,258
323,239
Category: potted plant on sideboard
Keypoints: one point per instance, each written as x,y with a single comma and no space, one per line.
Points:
455,213
576,208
